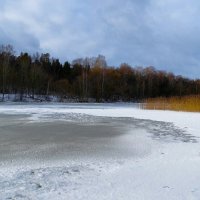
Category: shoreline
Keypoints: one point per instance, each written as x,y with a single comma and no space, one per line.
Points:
56,99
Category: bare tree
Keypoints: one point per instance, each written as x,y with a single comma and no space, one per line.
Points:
6,52
101,62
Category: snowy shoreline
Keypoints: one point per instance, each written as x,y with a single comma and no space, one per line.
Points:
53,99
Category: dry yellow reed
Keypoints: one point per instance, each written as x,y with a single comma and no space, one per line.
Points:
186,103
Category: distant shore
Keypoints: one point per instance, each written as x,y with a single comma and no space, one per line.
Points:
56,99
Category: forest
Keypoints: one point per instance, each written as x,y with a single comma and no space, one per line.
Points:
86,79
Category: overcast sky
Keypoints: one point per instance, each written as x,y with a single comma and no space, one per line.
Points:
160,33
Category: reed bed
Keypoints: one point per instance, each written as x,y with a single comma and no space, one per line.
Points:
185,103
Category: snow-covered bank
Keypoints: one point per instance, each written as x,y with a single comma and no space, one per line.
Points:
155,155
31,99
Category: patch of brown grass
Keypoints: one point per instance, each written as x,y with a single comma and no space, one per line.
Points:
186,103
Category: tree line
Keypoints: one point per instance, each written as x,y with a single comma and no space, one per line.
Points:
86,78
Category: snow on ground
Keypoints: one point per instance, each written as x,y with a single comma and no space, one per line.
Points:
170,169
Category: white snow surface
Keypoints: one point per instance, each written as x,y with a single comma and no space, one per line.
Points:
170,170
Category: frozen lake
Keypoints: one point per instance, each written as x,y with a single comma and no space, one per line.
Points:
97,151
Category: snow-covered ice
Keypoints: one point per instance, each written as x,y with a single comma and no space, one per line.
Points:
98,151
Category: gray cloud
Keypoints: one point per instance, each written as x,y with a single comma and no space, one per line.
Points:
164,34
